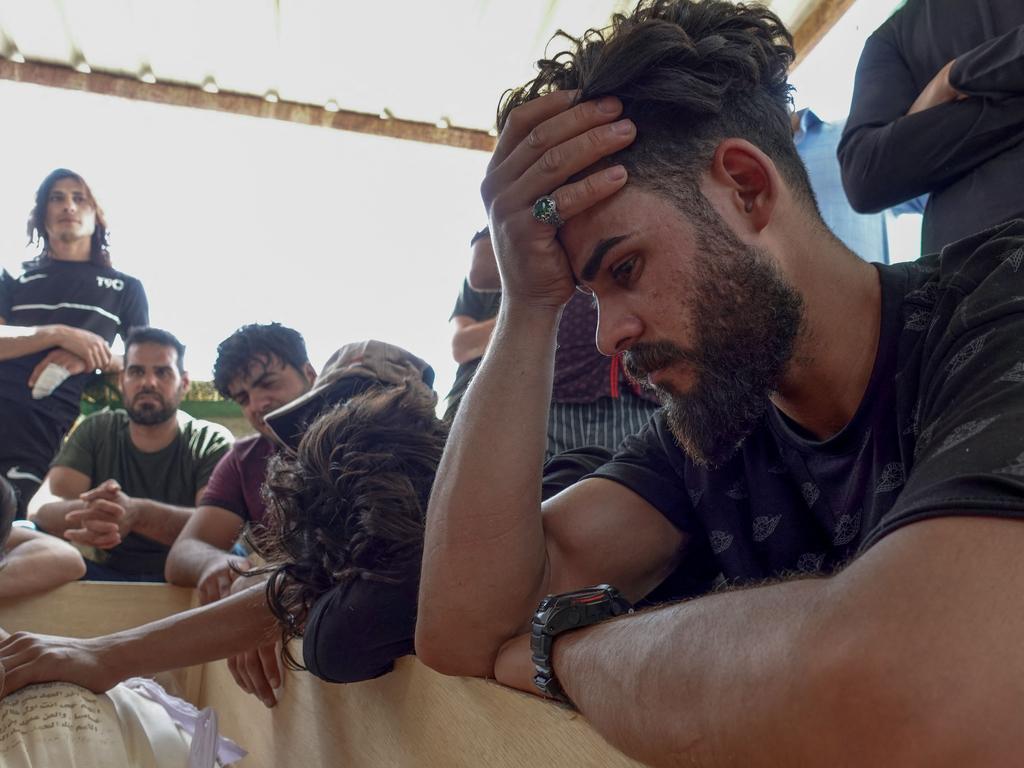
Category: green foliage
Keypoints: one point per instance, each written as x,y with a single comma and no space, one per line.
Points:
101,392
203,391
203,400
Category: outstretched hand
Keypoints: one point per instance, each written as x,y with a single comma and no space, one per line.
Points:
26,659
544,143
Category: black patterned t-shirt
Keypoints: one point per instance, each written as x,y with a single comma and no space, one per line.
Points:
939,432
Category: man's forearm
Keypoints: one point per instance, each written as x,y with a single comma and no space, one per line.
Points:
728,680
37,565
189,558
158,521
216,631
18,341
484,554
881,150
50,517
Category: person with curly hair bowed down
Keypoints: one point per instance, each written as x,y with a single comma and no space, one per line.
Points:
342,537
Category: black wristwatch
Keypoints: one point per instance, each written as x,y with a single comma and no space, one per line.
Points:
560,613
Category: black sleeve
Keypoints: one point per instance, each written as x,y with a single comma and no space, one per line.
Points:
479,305
569,467
642,464
135,310
969,454
6,294
356,630
995,68
888,157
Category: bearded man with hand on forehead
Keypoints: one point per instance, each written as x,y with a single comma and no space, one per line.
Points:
841,443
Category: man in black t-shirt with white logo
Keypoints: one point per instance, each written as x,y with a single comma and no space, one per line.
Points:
57,321
840,448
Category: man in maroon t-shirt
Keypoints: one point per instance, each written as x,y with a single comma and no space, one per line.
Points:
260,367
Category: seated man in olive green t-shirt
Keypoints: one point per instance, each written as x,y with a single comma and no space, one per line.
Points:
126,481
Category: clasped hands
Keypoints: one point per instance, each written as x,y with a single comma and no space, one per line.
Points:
107,517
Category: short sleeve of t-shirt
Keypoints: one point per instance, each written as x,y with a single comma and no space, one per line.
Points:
208,443
6,292
969,454
643,465
224,489
135,310
648,463
479,305
79,451
356,630
236,481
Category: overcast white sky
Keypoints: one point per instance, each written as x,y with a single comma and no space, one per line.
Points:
228,219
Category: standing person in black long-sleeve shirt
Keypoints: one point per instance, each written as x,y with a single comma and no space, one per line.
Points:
938,107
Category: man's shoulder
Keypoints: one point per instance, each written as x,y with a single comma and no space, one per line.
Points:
994,252
105,420
204,437
974,282
654,447
250,448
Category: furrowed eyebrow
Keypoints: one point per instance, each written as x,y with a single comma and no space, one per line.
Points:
262,380
593,264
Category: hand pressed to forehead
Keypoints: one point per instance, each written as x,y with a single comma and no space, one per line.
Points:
545,143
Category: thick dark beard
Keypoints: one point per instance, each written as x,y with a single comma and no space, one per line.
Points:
747,319
148,415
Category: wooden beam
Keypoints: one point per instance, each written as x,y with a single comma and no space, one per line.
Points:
815,24
242,104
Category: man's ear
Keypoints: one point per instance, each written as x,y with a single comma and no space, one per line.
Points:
747,181
309,372
186,383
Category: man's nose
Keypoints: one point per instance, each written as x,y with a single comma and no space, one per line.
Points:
259,403
618,329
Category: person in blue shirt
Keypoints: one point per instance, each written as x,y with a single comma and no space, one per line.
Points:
865,234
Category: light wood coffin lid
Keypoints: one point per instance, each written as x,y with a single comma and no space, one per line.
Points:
410,718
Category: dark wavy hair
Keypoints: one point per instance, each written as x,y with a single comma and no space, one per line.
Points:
147,334
256,343
690,73
351,503
99,252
